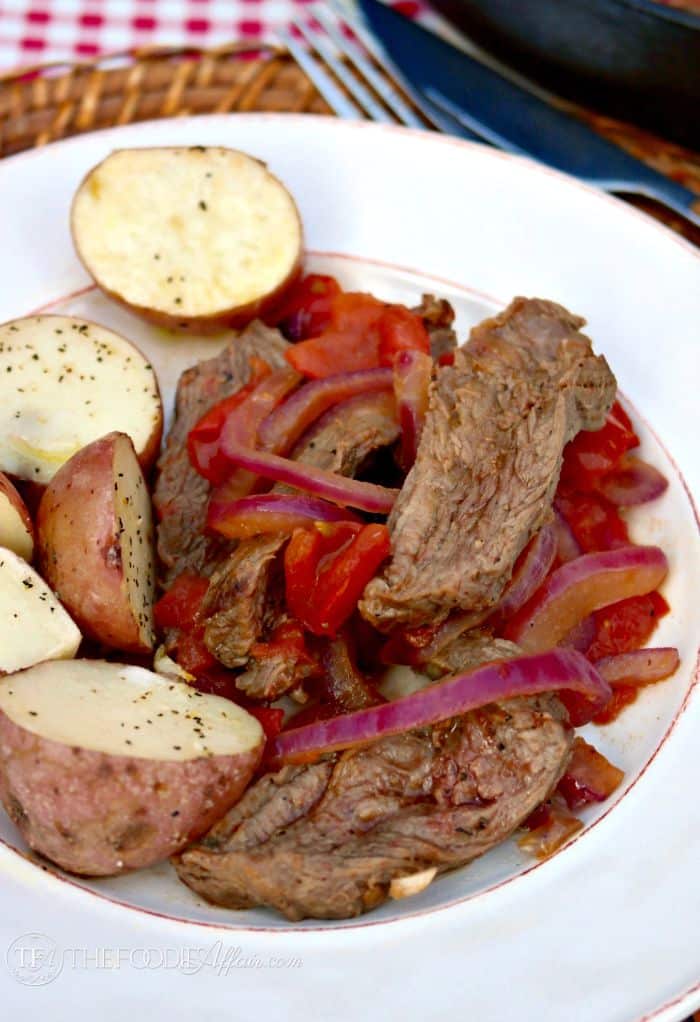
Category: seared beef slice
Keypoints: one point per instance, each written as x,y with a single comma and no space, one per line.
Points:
181,494
326,840
488,463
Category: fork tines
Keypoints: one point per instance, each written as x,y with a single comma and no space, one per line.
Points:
350,71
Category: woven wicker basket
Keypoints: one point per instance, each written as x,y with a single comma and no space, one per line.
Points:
48,102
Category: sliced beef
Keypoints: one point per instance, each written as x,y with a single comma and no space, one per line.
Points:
468,651
326,840
235,605
438,316
488,462
181,494
343,438
242,591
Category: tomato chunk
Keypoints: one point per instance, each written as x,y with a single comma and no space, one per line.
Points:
594,453
179,607
595,522
363,333
327,568
625,626
307,310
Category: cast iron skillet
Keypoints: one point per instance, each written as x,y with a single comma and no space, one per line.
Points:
634,59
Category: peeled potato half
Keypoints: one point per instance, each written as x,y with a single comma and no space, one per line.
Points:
66,382
198,238
106,767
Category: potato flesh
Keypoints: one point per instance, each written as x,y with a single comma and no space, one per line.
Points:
123,710
132,508
66,383
188,232
33,624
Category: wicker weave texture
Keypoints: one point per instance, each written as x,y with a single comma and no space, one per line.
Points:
47,103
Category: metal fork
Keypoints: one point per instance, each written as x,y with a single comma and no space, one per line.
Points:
359,80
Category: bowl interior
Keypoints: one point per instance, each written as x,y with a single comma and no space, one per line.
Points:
631,742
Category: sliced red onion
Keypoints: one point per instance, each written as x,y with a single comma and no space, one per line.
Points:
633,482
568,546
241,426
271,512
338,489
578,588
581,635
529,675
530,571
641,667
412,375
283,427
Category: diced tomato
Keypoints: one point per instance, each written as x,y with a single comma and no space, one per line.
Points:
288,640
269,717
400,330
589,777
448,359
342,583
592,454
626,626
363,333
623,695
178,608
327,568
203,439
594,521
303,558
193,655
307,310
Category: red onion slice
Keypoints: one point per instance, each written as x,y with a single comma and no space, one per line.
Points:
568,546
412,375
241,426
633,482
285,425
271,512
578,588
530,571
641,667
338,489
529,675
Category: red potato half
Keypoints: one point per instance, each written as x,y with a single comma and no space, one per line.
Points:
95,543
199,238
106,768
66,382
16,529
33,624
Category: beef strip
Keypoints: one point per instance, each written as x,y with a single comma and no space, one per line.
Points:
181,494
468,651
234,607
326,840
438,316
488,462
238,599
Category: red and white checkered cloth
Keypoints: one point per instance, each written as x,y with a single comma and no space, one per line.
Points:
41,31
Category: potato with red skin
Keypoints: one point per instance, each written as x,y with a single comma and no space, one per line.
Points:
198,239
77,795
95,544
16,528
